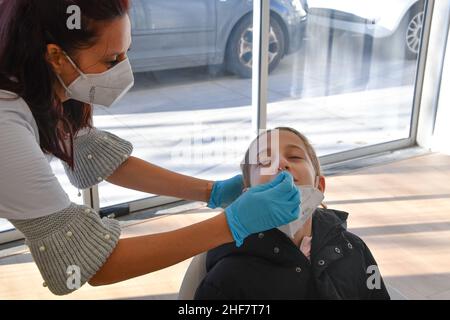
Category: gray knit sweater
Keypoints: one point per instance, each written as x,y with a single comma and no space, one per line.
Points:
71,243
68,242
97,155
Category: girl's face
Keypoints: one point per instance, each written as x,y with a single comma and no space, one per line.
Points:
111,48
288,154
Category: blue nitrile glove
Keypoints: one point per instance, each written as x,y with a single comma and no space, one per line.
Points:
264,207
225,192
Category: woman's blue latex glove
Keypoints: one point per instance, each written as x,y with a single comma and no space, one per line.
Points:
225,192
264,207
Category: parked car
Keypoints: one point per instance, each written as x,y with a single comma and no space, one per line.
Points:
400,20
169,34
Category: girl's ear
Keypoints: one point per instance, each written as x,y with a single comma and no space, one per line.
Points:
321,184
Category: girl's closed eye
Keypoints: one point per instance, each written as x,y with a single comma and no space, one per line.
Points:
296,158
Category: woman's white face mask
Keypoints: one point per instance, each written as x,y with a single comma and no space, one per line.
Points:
103,89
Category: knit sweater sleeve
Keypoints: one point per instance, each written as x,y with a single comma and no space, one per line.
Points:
70,246
97,154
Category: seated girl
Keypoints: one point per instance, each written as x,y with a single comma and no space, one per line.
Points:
319,260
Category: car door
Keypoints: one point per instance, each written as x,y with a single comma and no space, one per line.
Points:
171,34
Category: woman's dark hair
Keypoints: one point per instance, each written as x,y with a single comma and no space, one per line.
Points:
26,27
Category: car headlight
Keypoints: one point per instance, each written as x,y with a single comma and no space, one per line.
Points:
297,5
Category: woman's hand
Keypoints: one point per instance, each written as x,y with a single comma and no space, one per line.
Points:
225,192
264,207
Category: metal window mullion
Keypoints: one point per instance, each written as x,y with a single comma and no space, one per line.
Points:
260,78
432,74
421,66
91,196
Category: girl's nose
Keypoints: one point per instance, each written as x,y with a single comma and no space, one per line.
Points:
283,165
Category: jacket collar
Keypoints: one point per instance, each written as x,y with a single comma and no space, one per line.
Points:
326,223
275,246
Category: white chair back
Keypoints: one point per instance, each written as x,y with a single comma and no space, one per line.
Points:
193,277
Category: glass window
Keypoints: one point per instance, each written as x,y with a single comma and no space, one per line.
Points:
5,226
190,109
350,83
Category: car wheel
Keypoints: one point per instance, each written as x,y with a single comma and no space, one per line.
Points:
409,32
414,35
239,56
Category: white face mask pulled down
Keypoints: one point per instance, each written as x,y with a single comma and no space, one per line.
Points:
104,88
311,198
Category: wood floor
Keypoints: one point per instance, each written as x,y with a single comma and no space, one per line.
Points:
401,210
